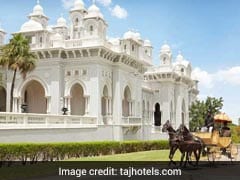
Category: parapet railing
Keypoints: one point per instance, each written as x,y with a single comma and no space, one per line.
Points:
41,121
131,120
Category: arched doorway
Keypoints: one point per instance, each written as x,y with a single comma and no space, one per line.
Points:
105,105
34,98
126,104
3,96
183,114
77,100
157,115
143,109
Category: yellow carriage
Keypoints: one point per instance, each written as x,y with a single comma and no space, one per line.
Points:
217,145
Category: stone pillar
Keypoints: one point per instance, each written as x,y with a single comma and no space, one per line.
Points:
20,101
14,104
86,105
48,99
68,104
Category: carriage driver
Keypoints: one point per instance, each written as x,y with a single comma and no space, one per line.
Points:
209,122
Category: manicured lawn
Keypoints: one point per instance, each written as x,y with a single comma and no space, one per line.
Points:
161,155
43,169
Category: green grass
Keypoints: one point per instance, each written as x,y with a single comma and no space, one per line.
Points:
45,169
160,155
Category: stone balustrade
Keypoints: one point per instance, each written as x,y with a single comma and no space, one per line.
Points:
42,121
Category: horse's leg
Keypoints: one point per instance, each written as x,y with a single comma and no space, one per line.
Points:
199,154
170,155
173,153
187,158
182,158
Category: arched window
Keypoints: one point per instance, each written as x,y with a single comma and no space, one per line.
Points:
91,29
105,104
157,115
127,104
34,97
76,22
148,110
133,48
143,110
182,70
77,100
41,39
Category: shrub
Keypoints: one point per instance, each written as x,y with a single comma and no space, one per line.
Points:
32,153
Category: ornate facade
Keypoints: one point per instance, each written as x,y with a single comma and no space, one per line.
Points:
109,86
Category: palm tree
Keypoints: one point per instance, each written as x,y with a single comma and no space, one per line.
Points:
16,56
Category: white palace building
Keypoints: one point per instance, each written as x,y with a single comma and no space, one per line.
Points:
110,87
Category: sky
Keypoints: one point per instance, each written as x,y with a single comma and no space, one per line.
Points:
206,32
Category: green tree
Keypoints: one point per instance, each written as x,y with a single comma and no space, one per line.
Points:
17,57
200,109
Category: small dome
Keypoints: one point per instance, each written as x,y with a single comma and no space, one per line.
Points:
147,43
61,22
132,35
78,5
94,11
180,57
165,48
38,10
31,25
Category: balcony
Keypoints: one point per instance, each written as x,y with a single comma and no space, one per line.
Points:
44,121
131,121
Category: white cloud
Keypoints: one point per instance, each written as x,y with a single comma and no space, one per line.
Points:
119,12
105,3
205,79
67,4
229,76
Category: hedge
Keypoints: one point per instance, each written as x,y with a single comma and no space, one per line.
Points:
33,152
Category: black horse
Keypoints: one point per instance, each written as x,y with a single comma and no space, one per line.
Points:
186,147
189,144
173,140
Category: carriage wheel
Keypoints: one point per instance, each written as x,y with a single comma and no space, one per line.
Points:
213,154
233,152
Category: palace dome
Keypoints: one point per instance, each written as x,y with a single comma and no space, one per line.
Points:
61,22
165,47
132,35
38,10
31,25
147,43
78,5
180,58
94,11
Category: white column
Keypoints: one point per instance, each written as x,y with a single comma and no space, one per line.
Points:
68,104
20,101
14,105
87,105
48,99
